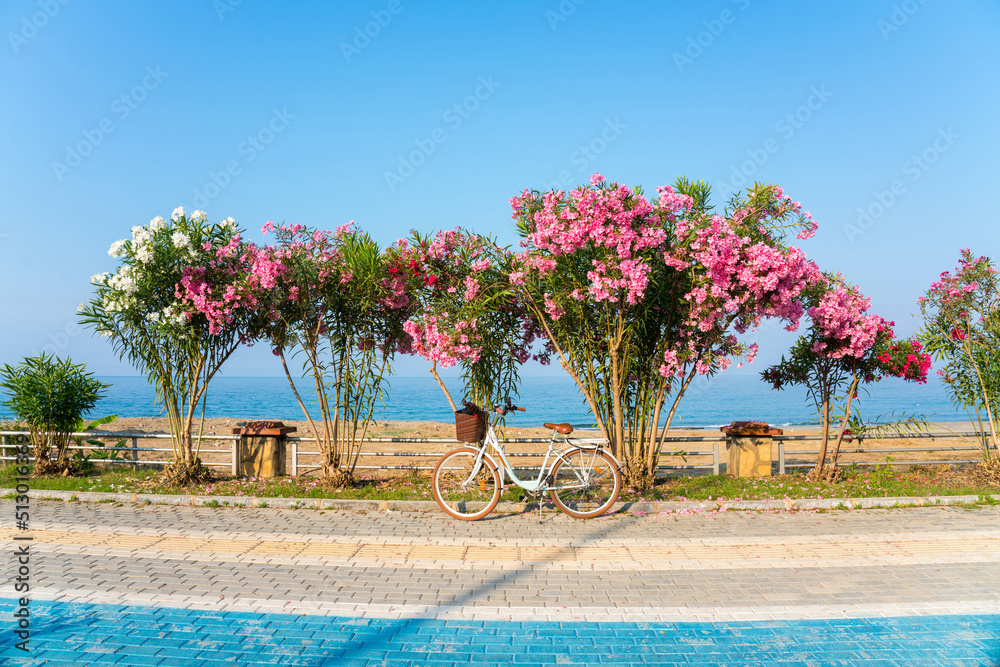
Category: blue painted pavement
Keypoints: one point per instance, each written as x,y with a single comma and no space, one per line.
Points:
65,634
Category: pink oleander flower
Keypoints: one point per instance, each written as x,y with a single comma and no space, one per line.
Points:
554,310
844,326
471,288
442,341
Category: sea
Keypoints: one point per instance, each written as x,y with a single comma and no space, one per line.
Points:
708,403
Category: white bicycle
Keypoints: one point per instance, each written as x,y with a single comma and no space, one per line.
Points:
583,478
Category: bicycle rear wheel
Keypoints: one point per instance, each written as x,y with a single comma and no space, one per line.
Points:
464,488
586,483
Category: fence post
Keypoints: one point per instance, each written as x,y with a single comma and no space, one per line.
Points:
715,458
135,450
781,457
295,457
236,449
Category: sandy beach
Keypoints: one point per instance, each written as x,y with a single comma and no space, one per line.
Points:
433,429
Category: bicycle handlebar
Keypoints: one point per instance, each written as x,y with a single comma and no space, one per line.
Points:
510,407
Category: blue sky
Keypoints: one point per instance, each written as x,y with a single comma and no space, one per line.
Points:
429,115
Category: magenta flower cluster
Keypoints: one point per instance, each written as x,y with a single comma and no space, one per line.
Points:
954,290
454,277
845,328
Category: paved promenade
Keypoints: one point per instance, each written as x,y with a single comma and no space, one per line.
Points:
152,585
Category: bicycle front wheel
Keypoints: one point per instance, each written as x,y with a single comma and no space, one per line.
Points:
586,483
465,488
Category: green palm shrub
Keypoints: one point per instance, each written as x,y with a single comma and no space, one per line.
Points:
50,395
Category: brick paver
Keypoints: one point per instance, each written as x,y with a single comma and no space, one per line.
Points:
204,586
155,636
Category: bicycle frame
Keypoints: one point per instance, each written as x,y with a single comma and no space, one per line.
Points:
543,482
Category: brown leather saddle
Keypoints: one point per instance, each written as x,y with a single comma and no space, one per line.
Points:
565,429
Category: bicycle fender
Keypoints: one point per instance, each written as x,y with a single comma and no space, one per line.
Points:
590,447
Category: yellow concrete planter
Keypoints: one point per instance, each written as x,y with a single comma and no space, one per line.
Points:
748,448
260,451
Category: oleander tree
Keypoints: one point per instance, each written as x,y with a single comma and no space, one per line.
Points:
331,301
50,395
466,312
961,313
638,297
844,348
148,309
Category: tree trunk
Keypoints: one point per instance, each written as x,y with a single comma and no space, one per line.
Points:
832,473
43,442
43,449
819,471
447,394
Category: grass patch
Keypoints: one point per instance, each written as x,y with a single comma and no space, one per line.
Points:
882,481
119,479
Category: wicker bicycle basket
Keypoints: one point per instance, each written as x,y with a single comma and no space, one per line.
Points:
470,428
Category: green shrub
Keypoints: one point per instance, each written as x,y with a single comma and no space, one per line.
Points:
50,395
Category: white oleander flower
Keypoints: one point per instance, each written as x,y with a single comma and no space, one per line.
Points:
177,214
181,240
97,279
116,248
123,281
157,223
104,332
81,307
199,215
171,315
141,236
144,253
228,224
